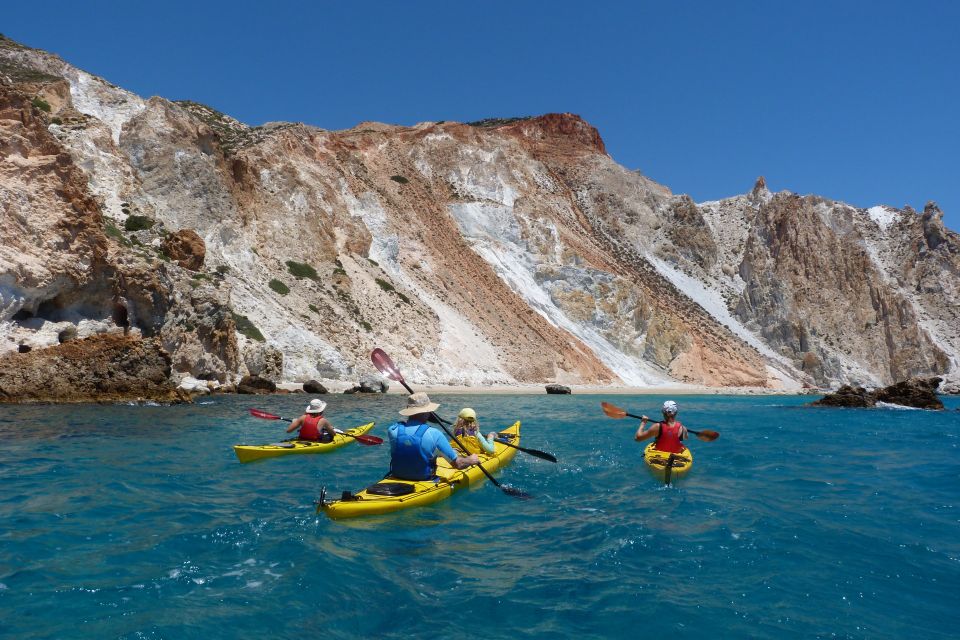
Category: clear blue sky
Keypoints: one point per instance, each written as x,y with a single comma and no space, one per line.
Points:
856,101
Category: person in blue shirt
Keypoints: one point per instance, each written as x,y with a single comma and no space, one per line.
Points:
415,444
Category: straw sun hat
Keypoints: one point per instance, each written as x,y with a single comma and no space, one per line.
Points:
418,403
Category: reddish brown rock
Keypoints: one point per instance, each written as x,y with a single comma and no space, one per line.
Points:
186,248
103,368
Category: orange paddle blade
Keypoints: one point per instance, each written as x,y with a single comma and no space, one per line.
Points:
707,435
613,411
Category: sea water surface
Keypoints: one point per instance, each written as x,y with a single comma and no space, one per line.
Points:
799,522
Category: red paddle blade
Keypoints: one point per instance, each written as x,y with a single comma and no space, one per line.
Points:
368,440
613,411
708,435
385,365
260,413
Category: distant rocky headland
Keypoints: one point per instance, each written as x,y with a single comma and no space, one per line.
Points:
152,247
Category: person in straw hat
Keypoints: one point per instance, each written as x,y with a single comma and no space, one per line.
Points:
312,424
415,445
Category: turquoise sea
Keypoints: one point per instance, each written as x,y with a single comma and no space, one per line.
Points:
138,522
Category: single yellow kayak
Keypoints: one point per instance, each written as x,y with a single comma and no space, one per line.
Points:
391,494
660,461
251,452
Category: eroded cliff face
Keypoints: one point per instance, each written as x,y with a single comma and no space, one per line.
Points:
499,252
68,274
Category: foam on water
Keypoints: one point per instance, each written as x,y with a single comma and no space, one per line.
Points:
797,523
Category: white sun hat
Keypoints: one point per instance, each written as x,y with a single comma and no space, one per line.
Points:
316,406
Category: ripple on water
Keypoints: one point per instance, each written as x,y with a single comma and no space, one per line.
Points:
797,522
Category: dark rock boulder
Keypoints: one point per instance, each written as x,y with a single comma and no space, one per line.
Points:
312,386
557,389
920,393
256,384
846,396
915,392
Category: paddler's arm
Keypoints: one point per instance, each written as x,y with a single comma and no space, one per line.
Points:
486,442
329,428
460,462
643,433
295,424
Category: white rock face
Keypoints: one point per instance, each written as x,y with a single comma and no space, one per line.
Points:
510,252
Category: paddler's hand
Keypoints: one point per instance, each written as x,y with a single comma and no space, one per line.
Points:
644,418
462,462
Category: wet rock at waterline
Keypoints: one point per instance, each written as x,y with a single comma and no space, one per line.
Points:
256,385
557,389
101,368
312,386
916,392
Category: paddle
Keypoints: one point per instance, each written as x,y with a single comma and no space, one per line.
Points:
362,439
707,435
534,452
385,365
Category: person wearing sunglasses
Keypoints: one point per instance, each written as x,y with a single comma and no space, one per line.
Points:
467,428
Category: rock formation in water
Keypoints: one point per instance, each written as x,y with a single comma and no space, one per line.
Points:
920,393
99,368
497,252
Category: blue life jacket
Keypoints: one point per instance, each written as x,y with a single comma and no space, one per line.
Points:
408,461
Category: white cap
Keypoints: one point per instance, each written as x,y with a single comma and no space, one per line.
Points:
670,408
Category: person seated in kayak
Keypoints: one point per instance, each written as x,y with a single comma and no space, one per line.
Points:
669,432
467,429
415,445
313,426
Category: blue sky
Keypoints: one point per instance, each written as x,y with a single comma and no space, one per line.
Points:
856,101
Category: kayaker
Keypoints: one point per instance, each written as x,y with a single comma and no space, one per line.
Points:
312,424
467,428
415,445
669,432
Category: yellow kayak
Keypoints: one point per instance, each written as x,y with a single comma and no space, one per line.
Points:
657,461
391,494
251,452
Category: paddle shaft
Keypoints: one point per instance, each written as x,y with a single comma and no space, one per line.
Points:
630,415
454,438
533,452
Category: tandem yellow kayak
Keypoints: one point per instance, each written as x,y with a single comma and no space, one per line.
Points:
659,461
391,494
251,452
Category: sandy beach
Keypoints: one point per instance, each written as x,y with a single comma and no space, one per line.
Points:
337,386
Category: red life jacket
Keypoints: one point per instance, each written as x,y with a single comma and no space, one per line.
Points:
310,430
669,438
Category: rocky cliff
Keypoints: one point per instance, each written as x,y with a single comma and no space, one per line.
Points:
502,251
